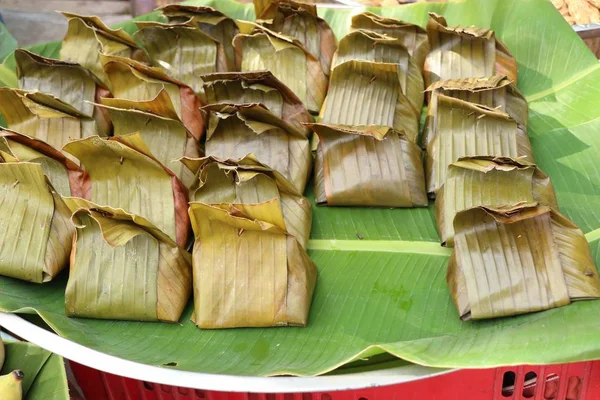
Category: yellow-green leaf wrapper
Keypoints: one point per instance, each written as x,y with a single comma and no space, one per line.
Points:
123,267
258,48
488,181
466,129
35,239
465,52
369,93
236,131
412,36
247,181
518,260
367,166
248,271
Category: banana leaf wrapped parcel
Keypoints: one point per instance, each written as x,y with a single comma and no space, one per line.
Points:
44,117
496,92
367,166
212,22
182,51
517,260
35,240
160,128
411,36
465,52
464,129
88,37
66,81
66,177
370,93
300,21
370,46
137,82
124,175
247,181
257,87
236,131
248,270
258,49
491,182
123,267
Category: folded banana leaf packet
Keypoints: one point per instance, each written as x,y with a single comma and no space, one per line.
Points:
182,51
124,175
370,93
367,166
235,131
160,128
496,92
88,37
491,182
135,81
236,285
44,116
517,260
258,48
464,129
66,177
411,36
300,21
212,22
123,267
34,214
465,52
257,87
370,46
247,181
73,84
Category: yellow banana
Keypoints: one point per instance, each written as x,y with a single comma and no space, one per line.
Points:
10,386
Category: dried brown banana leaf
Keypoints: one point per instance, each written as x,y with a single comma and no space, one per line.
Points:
518,260
123,267
123,175
247,181
160,128
182,51
132,80
371,46
88,37
44,117
66,177
300,21
465,52
412,36
257,87
367,166
35,214
496,92
369,93
67,81
491,182
236,285
466,129
212,22
258,48
236,131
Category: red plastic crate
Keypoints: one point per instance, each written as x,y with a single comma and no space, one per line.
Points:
577,381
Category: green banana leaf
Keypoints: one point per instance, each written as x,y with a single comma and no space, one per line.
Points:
387,292
45,376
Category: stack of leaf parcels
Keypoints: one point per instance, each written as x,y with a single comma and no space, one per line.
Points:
367,153
292,42
513,252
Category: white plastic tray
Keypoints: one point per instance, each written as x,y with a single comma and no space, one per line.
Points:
196,380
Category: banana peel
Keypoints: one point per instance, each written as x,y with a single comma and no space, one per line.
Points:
10,386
